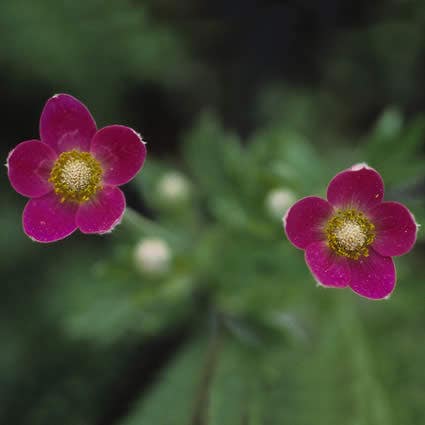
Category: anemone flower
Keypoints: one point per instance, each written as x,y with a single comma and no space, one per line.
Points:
72,174
349,238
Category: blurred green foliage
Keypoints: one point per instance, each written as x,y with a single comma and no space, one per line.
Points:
380,62
95,48
262,344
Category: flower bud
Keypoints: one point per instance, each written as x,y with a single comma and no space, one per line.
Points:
278,201
152,256
173,188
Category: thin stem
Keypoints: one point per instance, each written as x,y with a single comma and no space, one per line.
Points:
144,225
200,411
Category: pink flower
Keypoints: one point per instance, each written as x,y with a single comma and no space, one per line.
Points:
71,175
350,238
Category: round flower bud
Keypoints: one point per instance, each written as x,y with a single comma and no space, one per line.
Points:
278,201
173,188
152,256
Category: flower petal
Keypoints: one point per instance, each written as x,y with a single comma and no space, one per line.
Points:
395,229
66,124
103,213
373,276
328,268
359,186
304,220
121,152
46,219
29,165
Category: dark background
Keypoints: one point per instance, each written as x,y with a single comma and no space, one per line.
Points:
155,65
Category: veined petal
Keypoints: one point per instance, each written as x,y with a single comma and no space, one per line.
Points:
46,219
103,212
359,186
304,221
29,165
395,229
373,277
121,152
66,124
328,268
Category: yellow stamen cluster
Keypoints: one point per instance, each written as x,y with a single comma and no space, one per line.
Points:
76,176
350,233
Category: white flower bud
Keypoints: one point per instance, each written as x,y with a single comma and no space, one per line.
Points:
152,256
278,201
173,188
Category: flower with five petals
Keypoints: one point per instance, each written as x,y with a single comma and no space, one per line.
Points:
72,174
349,238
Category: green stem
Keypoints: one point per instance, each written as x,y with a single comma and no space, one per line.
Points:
143,225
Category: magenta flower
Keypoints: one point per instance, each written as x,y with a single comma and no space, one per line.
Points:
71,175
350,238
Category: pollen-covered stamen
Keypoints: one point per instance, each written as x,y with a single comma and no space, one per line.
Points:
350,236
350,233
76,176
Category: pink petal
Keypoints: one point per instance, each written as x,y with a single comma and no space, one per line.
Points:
359,186
328,268
66,124
373,276
395,229
29,166
103,213
305,219
121,152
46,219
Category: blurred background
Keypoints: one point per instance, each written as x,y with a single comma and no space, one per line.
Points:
196,310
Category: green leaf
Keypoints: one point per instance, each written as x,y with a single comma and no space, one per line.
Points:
172,401
214,158
397,153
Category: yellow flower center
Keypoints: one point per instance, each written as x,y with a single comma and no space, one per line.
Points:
350,233
76,176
